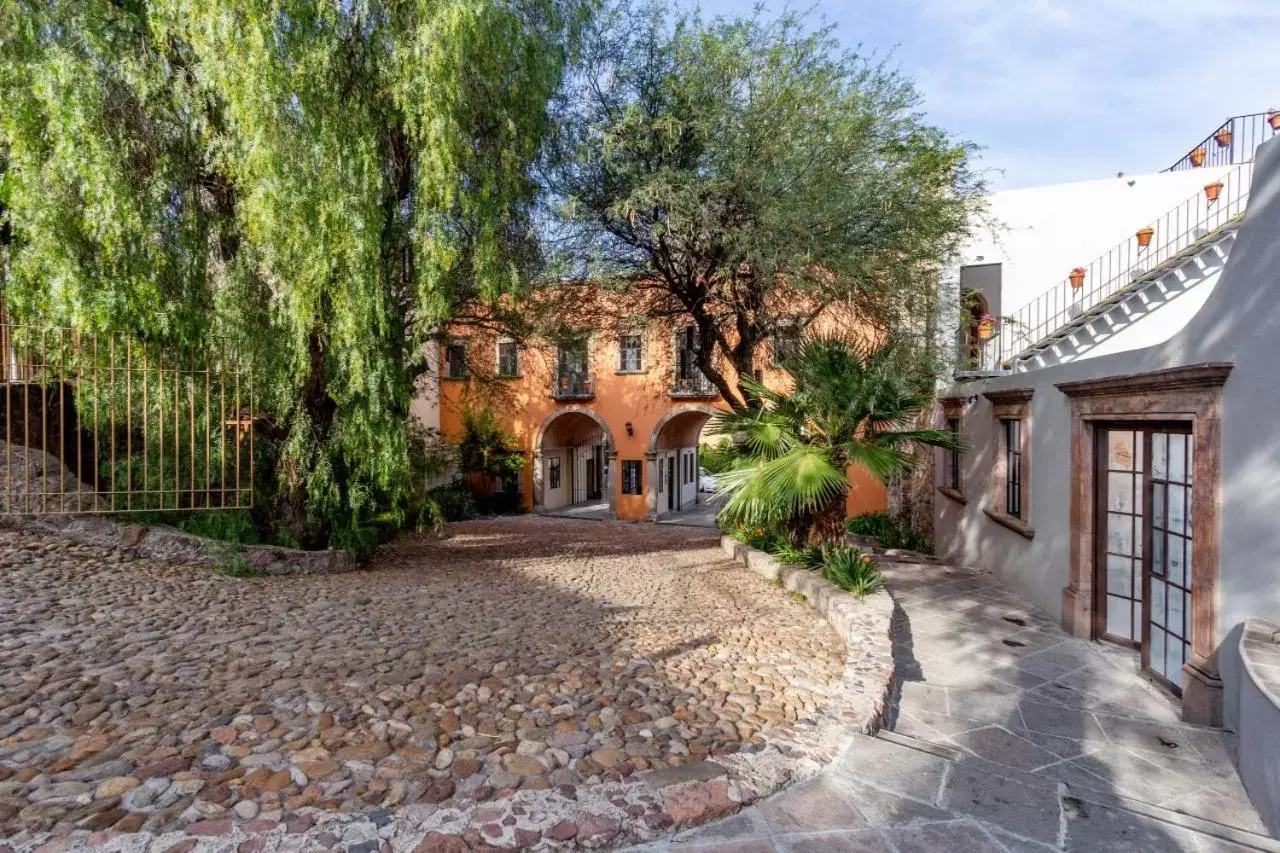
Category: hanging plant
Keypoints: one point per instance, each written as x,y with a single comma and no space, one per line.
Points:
986,327
1212,191
1273,119
1144,236
1223,137
1077,278
1197,156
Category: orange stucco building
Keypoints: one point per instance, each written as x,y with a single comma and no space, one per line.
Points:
611,419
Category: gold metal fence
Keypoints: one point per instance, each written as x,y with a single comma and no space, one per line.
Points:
109,423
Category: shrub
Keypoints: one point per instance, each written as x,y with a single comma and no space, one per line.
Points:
806,556
717,458
851,570
881,527
761,538
454,501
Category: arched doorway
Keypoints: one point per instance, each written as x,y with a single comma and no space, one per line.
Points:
574,463
672,460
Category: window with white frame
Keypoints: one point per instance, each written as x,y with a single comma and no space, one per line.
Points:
630,352
508,359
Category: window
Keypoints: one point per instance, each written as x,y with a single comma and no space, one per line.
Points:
631,482
508,359
553,472
1012,467
455,361
786,341
951,475
630,353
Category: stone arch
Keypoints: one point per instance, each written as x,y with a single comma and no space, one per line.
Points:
710,411
653,470
610,451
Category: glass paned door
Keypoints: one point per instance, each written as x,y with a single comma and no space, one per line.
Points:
1143,555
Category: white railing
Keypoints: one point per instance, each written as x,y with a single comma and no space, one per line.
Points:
1124,267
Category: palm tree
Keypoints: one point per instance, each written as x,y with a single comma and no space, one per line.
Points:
852,403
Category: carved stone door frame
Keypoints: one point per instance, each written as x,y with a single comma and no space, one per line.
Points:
1193,394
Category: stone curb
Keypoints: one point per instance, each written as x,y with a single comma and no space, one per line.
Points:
170,545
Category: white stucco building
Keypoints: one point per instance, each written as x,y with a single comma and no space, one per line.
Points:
1122,467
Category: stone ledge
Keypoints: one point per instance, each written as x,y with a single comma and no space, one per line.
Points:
1259,723
170,545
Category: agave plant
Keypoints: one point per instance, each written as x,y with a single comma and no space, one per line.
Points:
852,403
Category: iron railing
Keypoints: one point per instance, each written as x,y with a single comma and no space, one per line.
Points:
573,385
1127,265
105,423
694,383
1234,142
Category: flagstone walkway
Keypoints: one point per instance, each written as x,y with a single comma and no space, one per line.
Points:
1006,736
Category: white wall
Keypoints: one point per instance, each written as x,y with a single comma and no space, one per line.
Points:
562,496
1039,234
1239,324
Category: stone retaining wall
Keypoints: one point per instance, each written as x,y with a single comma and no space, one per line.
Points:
170,545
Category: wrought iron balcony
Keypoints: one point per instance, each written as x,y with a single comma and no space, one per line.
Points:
573,385
694,385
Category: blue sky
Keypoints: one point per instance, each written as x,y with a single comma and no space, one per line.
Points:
1064,90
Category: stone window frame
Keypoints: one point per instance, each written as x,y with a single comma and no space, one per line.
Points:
1012,404
953,409
446,368
1191,393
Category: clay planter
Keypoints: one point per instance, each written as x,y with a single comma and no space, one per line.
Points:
1197,156
1077,278
1144,237
1212,191
1223,137
986,328
1273,119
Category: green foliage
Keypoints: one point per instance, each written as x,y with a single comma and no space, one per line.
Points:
232,563
454,501
717,458
852,404
486,449
736,164
763,538
234,526
805,556
311,186
850,569
887,532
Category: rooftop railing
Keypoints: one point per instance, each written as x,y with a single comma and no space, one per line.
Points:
1234,142
1146,255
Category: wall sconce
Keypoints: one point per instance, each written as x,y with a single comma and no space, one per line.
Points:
630,429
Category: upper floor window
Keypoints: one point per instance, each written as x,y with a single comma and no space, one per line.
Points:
455,361
508,359
631,352
786,341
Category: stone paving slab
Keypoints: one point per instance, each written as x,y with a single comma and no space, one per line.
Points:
1009,736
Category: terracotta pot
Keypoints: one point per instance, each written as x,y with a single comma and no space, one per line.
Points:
1077,278
1223,137
1196,156
1212,191
1144,236
1273,119
986,329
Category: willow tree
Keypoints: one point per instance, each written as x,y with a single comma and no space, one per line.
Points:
320,182
742,169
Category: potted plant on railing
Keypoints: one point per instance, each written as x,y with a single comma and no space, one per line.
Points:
986,327
1144,236
1197,155
1223,136
1212,191
1077,278
1273,119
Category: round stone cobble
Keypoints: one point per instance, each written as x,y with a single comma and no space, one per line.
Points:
518,655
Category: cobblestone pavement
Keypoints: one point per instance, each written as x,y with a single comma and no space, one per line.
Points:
520,654
1007,736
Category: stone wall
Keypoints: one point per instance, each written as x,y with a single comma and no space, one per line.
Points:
1260,719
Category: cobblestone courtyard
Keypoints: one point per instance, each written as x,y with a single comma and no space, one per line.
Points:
516,654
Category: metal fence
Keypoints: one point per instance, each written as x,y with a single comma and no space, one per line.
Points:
1175,235
107,423
1235,141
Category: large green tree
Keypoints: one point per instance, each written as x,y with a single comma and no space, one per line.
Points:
320,182
739,170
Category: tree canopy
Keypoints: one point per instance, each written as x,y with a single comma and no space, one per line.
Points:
742,170
319,182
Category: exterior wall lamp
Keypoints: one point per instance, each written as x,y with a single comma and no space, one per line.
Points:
630,429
